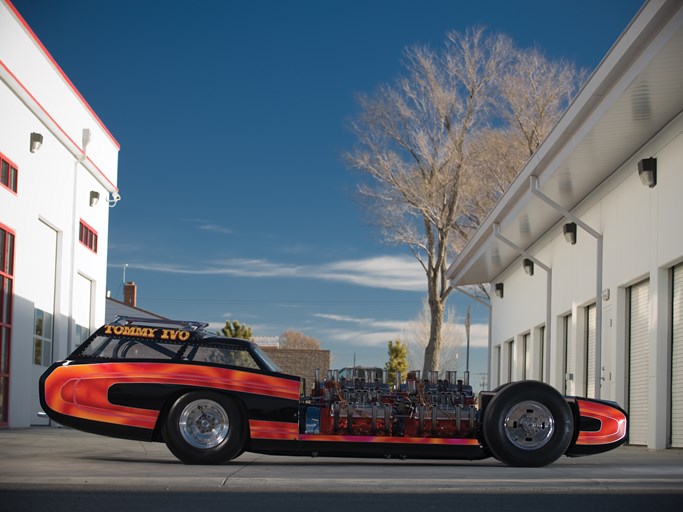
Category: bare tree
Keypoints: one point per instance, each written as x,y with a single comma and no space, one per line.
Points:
424,145
533,94
297,340
417,338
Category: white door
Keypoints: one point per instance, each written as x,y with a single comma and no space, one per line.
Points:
677,359
639,360
526,368
508,363
83,297
569,356
44,273
541,355
606,373
590,351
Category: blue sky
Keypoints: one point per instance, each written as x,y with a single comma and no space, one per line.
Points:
232,118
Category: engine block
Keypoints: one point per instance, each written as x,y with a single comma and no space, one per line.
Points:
364,404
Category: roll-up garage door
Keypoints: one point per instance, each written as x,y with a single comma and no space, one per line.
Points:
590,351
569,357
677,359
639,359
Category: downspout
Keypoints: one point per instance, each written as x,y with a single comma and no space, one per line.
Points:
598,276
549,292
74,240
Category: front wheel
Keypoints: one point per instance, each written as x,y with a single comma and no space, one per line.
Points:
528,423
204,428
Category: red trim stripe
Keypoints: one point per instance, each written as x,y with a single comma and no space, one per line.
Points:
613,423
273,430
391,440
61,71
4,66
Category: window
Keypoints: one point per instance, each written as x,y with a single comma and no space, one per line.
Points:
87,236
82,334
42,338
8,174
112,347
6,298
223,355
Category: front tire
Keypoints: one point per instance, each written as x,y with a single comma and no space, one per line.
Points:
529,424
204,427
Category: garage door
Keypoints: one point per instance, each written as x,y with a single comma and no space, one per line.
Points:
677,360
590,351
639,360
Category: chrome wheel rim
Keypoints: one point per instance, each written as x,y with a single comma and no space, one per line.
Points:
529,425
204,424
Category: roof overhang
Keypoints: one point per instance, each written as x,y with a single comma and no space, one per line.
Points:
634,92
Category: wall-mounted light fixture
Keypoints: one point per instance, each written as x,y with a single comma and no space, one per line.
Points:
114,198
36,142
499,290
569,230
94,197
647,171
528,266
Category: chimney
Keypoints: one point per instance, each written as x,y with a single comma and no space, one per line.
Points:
130,294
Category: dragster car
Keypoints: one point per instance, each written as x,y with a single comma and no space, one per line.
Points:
210,398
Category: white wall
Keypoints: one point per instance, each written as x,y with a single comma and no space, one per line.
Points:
53,188
641,230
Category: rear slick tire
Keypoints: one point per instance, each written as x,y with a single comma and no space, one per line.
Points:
204,427
528,424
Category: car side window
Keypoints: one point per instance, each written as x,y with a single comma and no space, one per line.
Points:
111,347
220,354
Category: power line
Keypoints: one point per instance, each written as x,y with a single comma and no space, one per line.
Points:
271,301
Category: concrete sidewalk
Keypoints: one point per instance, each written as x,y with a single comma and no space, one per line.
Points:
44,456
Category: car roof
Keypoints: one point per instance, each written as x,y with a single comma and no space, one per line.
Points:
198,329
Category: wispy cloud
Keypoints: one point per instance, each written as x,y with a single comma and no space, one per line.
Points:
215,228
386,272
376,338
205,225
372,332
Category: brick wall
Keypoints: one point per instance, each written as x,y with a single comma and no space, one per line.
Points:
301,362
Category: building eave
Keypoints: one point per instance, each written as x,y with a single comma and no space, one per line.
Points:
633,93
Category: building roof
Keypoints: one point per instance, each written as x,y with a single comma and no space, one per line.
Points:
114,308
634,92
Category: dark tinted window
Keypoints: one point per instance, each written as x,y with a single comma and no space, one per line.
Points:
222,354
112,347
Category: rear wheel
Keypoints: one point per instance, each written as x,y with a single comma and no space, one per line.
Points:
204,427
529,424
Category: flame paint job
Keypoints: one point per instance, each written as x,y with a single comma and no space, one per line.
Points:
81,390
273,430
396,440
613,423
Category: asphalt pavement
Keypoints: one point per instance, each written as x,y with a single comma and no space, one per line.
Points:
44,468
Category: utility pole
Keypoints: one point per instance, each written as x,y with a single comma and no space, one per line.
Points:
468,322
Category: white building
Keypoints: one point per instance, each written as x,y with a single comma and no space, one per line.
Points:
59,172
603,317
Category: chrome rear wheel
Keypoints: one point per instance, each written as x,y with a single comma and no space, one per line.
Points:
204,427
204,424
